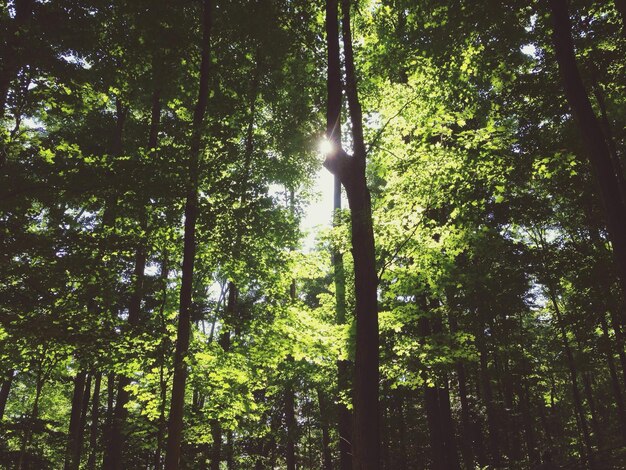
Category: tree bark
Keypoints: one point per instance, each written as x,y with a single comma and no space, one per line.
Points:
290,425
113,456
327,457
351,173
333,134
598,152
216,449
487,397
617,390
580,413
95,415
175,423
72,454
5,390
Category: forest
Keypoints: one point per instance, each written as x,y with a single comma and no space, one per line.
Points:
179,288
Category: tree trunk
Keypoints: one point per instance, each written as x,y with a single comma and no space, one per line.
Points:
95,414
598,151
72,459
438,413
344,366
113,456
528,424
230,450
162,422
290,424
580,413
351,173
22,462
216,449
487,397
4,392
327,457
617,390
175,423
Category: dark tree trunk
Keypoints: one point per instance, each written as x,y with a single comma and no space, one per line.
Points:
216,449
113,456
467,453
466,424
34,415
175,423
230,451
290,424
83,419
617,390
619,339
487,397
528,423
438,412
595,422
351,173
95,415
162,422
4,392
333,133
72,453
437,448
598,151
578,404
610,140
327,456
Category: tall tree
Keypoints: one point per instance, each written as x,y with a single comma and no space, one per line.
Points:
350,169
175,422
598,151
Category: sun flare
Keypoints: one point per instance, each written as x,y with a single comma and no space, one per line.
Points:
325,146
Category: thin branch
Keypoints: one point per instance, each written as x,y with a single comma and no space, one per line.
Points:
382,129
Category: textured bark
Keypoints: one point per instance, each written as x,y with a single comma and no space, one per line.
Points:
598,151
175,422
351,173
